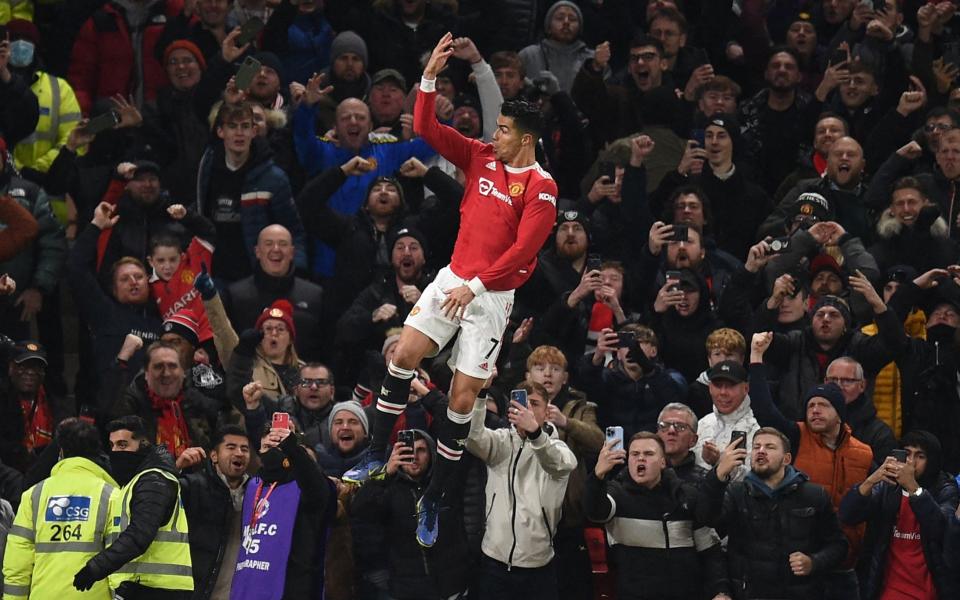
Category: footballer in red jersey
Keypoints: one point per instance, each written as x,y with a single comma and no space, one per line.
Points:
508,209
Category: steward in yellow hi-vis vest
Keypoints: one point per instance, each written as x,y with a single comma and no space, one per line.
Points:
148,556
62,522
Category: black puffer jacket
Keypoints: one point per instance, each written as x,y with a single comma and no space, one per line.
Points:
246,299
207,502
766,526
415,572
690,565
151,505
634,405
880,511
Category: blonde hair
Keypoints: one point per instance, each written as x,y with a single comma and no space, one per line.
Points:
729,340
546,355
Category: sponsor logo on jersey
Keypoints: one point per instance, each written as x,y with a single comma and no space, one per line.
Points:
548,197
68,508
487,188
492,165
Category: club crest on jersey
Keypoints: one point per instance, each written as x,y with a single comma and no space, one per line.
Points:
516,188
415,311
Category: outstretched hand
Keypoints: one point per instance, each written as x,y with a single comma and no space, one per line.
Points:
439,57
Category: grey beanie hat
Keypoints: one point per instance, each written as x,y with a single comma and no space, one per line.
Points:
348,41
353,407
556,5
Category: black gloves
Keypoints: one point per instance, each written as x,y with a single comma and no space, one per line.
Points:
84,579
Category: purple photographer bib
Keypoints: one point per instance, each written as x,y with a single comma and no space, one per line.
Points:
265,545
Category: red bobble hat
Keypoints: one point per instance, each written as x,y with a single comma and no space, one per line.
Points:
281,310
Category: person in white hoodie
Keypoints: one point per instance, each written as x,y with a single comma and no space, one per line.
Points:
731,412
527,471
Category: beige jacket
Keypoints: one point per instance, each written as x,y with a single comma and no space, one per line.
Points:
526,481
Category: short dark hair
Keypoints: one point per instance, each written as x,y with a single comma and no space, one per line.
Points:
640,40
78,438
316,365
909,182
647,435
942,111
526,116
781,49
688,190
775,433
164,239
132,423
226,430
829,114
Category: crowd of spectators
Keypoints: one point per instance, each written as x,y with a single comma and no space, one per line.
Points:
739,349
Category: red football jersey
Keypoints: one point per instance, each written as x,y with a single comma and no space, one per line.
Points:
506,214
179,293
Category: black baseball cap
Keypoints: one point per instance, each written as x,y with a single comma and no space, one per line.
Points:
28,350
730,370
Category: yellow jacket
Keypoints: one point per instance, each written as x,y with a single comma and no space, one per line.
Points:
60,525
886,386
15,9
59,114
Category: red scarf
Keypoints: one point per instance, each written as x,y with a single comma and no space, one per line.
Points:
819,163
171,426
37,421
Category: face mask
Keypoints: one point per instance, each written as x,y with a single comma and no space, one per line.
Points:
21,53
124,465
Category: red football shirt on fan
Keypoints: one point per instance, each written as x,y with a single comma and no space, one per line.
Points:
179,293
506,214
908,577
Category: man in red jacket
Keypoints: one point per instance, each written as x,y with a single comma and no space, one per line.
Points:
507,212
114,53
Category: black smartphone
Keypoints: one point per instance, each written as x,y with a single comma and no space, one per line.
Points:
673,276
519,396
900,454
737,436
699,136
609,170
625,339
698,57
103,122
680,233
407,437
249,31
880,5
594,262
247,71
838,56
779,245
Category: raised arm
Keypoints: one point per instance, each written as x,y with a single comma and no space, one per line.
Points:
446,140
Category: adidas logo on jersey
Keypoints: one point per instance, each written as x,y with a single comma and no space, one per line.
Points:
492,165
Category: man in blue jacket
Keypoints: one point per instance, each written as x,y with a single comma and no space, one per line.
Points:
242,190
